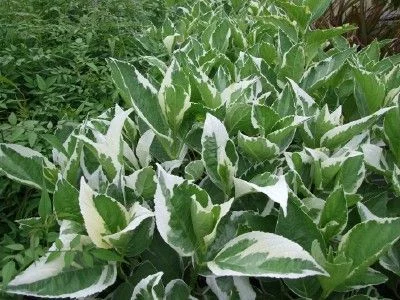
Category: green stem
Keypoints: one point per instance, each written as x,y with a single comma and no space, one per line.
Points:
193,277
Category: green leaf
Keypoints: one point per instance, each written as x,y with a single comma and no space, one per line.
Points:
297,225
238,118
220,35
257,149
233,287
337,267
284,135
138,92
237,92
164,258
66,201
112,212
206,88
288,27
222,78
53,280
142,182
390,126
361,280
205,219
333,218
218,154
194,170
172,206
262,254
319,36
101,214
45,206
136,236
7,272
342,134
384,233
150,287
369,91
15,247
185,216
306,288
275,187
391,260
284,105
12,119
174,95
305,104
108,147
293,63
317,7
27,166
352,173
106,255
320,73
177,289
264,118
41,82
300,14
396,180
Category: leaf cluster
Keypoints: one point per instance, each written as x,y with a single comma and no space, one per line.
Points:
259,158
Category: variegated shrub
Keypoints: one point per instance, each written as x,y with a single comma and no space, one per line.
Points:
259,159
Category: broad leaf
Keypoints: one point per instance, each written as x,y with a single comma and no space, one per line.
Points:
333,218
262,254
53,279
150,287
66,201
218,153
384,233
27,166
275,187
138,92
369,91
257,148
136,236
342,134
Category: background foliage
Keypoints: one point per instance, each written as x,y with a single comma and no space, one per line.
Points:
52,60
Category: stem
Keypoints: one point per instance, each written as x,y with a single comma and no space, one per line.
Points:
122,273
325,294
363,24
193,277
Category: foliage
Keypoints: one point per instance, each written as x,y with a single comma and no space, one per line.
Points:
53,73
52,61
252,162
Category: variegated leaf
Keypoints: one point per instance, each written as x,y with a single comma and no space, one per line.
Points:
262,254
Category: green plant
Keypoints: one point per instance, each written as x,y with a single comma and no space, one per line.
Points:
53,73
249,164
52,60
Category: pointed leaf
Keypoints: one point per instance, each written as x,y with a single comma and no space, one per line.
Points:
342,134
384,233
27,166
262,254
218,153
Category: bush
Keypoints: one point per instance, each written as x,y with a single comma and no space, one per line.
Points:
251,163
